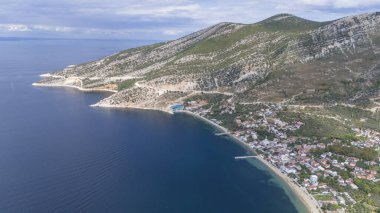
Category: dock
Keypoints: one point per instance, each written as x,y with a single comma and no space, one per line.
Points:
222,133
245,157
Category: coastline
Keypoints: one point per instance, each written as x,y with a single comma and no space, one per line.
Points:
303,196
100,90
75,87
223,129
130,107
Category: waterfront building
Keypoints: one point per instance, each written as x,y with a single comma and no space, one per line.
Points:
177,107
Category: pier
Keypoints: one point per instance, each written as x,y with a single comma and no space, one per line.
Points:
222,133
245,157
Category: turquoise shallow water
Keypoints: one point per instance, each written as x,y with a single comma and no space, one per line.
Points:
57,154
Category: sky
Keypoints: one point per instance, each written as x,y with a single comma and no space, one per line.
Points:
155,19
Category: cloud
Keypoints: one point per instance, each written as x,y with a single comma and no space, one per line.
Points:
152,19
30,28
51,28
160,11
172,32
14,27
341,3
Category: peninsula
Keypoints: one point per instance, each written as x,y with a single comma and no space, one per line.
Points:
304,95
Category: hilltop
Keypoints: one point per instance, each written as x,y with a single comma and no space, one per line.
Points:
282,58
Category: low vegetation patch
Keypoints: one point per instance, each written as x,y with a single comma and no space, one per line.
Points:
361,153
126,84
323,197
316,126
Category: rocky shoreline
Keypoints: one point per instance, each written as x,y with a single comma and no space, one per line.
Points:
75,87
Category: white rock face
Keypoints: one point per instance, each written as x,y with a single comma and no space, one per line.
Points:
345,35
226,57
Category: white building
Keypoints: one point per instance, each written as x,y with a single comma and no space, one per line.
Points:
314,179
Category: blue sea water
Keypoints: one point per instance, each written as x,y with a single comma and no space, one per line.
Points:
57,154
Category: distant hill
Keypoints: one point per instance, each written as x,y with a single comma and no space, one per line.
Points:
283,58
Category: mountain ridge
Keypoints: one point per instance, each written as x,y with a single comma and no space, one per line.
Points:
252,62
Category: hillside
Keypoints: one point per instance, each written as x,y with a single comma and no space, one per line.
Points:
304,95
281,59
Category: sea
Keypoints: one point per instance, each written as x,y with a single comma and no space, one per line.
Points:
58,154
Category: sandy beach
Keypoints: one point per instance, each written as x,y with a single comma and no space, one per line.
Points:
307,199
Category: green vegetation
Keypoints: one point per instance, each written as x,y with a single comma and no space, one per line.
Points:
125,53
367,197
223,42
213,100
351,82
368,186
316,126
88,81
358,117
361,153
331,207
126,84
262,133
352,116
240,110
338,91
376,39
332,182
362,207
291,23
323,197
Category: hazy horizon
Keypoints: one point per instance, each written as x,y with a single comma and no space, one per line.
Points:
152,20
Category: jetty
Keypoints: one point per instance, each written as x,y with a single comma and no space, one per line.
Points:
245,157
222,133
